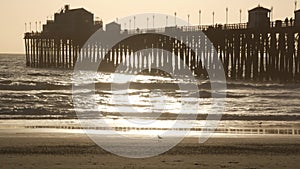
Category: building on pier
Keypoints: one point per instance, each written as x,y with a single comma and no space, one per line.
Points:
72,22
259,17
113,27
297,18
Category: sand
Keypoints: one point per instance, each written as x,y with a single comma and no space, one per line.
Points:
61,150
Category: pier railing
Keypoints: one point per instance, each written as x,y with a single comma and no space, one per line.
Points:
186,28
239,26
193,28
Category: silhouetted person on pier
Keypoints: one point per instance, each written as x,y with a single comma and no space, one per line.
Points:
286,22
291,21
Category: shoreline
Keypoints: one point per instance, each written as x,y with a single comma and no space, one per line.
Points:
224,129
61,150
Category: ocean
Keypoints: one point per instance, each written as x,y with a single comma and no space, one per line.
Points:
32,97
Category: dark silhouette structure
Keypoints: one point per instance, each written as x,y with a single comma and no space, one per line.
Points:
70,22
260,50
61,39
259,17
297,18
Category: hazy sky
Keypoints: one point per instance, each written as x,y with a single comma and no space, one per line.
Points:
15,13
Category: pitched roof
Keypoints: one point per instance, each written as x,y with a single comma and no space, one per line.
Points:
259,8
113,23
80,9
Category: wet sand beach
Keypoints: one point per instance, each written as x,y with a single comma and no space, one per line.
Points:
61,150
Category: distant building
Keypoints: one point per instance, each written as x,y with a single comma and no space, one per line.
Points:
113,27
297,18
259,17
72,22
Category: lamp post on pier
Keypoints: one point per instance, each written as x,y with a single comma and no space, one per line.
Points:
147,22
199,17
213,18
134,22
153,20
240,15
272,10
226,15
167,21
175,18
188,19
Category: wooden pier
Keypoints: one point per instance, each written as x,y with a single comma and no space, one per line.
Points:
50,52
264,53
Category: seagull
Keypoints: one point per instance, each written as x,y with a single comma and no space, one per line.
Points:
159,137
